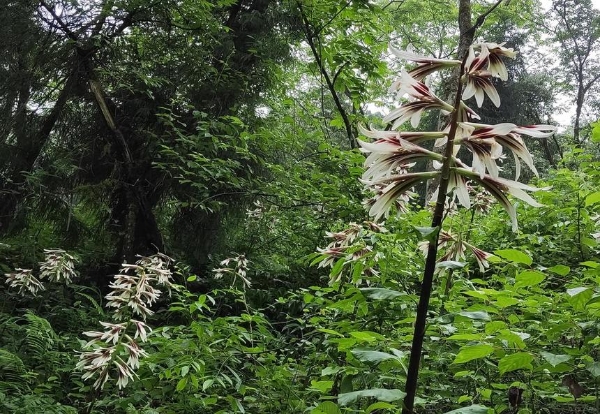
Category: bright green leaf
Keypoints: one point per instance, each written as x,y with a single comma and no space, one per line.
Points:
379,406
328,407
560,270
464,337
579,297
592,199
366,336
472,352
515,256
321,386
529,278
513,362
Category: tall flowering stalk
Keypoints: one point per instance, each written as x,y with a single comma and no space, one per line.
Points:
116,349
393,153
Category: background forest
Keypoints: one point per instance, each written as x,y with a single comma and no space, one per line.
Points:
183,226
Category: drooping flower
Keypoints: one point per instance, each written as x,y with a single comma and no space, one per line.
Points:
420,98
495,65
24,281
478,78
454,248
391,154
499,188
425,65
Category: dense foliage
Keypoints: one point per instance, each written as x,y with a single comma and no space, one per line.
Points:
183,224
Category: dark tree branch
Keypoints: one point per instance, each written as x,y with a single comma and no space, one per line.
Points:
328,81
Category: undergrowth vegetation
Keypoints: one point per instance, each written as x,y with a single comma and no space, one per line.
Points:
528,321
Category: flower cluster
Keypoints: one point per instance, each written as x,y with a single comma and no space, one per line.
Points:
239,269
393,153
58,266
24,281
455,249
134,290
353,246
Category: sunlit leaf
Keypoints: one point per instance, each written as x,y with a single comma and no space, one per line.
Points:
515,256
366,336
553,359
328,407
560,270
529,278
472,352
477,315
381,394
514,362
381,293
592,199
473,409
372,356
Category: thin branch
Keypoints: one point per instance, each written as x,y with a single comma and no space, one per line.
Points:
60,22
328,81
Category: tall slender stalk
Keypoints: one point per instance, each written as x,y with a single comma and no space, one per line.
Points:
427,285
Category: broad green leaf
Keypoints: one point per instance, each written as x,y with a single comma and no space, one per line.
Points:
477,315
554,359
330,370
464,337
560,270
579,297
379,406
513,362
506,301
515,256
576,291
594,369
381,293
330,331
592,199
450,264
427,233
591,264
328,407
494,326
381,394
181,384
321,386
596,132
529,278
472,409
469,353
207,384
366,336
372,356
